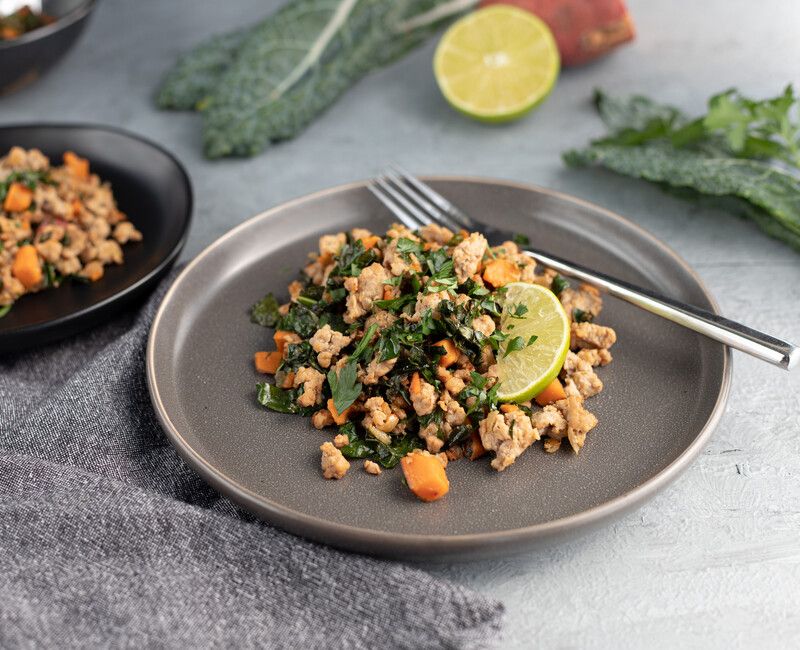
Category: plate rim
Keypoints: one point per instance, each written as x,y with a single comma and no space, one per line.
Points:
150,277
394,544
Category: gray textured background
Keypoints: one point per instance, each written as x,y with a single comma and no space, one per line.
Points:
713,561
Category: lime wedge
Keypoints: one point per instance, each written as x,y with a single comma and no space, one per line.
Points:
526,372
497,63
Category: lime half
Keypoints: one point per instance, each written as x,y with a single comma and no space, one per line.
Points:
497,63
531,311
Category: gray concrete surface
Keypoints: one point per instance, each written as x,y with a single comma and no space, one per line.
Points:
714,561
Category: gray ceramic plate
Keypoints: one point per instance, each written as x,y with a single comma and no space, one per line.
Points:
664,392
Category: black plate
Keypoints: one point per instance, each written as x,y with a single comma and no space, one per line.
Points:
150,186
23,60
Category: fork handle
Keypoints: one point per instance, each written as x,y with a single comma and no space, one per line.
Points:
758,344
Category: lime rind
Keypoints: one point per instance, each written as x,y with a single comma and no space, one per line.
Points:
525,373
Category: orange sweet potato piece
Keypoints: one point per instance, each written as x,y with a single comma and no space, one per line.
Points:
450,355
281,338
339,418
416,384
500,272
288,380
553,393
583,29
474,447
18,198
370,242
26,267
425,475
79,167
267,362
508,408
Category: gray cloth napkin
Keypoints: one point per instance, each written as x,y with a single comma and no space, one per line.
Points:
107,538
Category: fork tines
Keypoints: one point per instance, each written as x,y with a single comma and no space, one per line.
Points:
414,203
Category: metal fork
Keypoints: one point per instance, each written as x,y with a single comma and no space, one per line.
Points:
416,204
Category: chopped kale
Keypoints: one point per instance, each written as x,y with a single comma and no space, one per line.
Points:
265,311
559,284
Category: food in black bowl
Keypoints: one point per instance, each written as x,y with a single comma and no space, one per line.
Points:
33,40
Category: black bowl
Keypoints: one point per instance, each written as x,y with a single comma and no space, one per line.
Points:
25,59
150,186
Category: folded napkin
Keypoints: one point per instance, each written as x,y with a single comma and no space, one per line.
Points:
107,538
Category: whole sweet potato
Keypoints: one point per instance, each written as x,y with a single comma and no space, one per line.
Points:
583,29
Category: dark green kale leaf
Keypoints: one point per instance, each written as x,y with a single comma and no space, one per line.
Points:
580,316
300,319
196,74
396,304
265,311
775,191
559,284
291,67
388,456
280,400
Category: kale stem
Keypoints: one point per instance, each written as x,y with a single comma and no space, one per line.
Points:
436,14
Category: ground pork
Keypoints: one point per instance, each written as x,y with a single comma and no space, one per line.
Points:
330,245
523,435
582,374
585,298
341,440
382,318
371,467
579,420
454,413
318,270
125,232
426,301
454,385
396,263
379,415
333,463
600,357
328,343
424,400
311,380
589,335
375,370
430,434
550,422
436,234
484,324
322,419
508,435
364,290
467,256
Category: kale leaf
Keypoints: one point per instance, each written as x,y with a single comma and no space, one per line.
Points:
265,311
280,400
728,154
774,191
